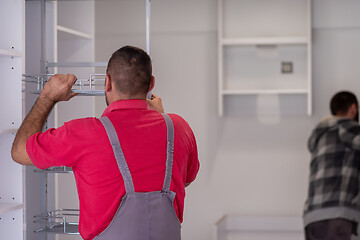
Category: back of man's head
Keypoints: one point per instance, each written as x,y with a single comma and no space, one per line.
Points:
130,70
341,102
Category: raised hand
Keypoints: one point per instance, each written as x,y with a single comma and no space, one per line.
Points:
58,87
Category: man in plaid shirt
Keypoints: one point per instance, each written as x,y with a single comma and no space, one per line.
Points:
332,209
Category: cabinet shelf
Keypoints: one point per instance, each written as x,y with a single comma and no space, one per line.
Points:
67,228
273,227
72,32
7,131
9,53
9,207
265,91
83,86
55,170
264,41
80,92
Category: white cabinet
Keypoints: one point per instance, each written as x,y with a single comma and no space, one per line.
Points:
257,40
11,68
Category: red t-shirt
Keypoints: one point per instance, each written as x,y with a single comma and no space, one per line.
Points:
83,145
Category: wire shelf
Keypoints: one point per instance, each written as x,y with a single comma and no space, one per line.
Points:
57,222
91,86
62,169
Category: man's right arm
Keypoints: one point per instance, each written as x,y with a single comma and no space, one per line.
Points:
58,88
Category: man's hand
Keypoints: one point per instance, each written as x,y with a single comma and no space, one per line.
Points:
155,103
58,88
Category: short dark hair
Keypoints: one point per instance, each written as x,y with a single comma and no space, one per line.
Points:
131,70
341,102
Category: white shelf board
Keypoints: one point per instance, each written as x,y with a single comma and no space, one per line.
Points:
260,224
74,32
264,91
9,53
6,131
265,41
9,207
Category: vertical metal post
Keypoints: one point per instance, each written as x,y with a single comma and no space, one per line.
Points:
43,38
148,18
43,177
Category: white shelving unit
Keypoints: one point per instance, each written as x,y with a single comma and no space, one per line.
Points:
11,68
254,38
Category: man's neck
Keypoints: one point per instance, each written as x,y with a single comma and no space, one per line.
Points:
123,97
344,116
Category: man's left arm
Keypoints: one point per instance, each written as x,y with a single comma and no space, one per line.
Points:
58,88
155,103
350,134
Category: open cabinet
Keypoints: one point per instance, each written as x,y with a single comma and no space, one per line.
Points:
258,57
51,37
59,39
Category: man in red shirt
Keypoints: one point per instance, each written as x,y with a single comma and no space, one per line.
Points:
84,144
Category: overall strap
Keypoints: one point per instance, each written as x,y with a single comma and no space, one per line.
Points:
119,155
169,152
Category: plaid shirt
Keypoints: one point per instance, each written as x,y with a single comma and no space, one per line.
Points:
334,171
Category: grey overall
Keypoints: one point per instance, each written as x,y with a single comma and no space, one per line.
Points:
143,215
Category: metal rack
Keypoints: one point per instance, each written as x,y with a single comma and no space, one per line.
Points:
83,86
58,222
55,170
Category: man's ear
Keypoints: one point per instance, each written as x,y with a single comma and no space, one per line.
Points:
108,83
353,109
152,83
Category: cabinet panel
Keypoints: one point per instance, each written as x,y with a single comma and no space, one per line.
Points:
10,173
264,18
11,64
11,13
11,225
10,97
77,15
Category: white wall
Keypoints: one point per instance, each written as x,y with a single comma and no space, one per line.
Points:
250,165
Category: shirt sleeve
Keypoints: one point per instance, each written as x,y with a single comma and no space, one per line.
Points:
185,136
193,162
349,133
193,165
51,148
